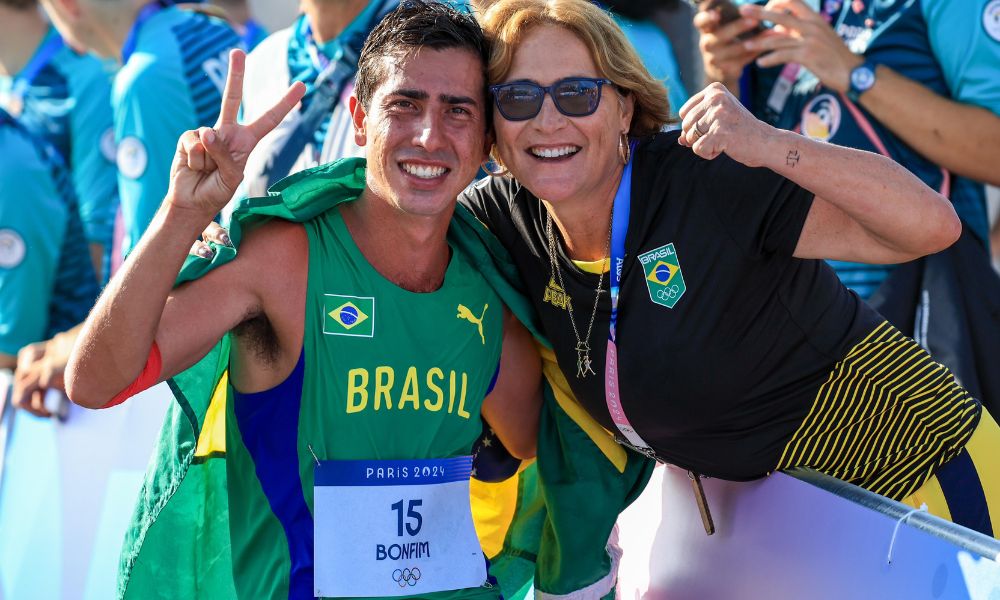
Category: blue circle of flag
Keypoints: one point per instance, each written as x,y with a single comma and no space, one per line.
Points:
348,315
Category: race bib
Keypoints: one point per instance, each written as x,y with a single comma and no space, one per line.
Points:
394,528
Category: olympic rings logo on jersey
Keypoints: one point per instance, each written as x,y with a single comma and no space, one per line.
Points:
668,293
406,577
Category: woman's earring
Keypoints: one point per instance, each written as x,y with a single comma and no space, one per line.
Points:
488,167
624,151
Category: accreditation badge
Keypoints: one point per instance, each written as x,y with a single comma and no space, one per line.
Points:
394,528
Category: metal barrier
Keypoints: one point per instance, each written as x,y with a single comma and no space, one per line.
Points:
802,537
960,537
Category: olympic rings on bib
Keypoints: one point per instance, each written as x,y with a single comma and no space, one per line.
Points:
405,577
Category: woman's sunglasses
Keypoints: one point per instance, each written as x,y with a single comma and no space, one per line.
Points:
573,97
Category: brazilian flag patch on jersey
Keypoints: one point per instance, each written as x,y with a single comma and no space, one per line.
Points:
664,278
348,315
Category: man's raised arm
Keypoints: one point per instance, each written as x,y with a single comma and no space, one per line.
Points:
140,333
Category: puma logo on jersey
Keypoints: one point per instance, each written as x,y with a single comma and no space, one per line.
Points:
465,313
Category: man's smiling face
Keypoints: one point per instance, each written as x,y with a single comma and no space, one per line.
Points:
424,130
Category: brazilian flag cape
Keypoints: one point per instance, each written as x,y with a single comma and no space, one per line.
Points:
548,527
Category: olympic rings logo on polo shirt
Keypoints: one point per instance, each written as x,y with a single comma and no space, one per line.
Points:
668,293
406,577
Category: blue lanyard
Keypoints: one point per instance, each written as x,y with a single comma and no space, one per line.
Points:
26,77
320,61
619,230
145,14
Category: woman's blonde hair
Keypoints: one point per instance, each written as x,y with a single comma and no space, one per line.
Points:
507,22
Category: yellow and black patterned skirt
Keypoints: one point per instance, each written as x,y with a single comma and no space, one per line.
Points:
890,418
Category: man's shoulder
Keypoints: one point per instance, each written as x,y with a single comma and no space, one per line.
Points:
147,74
272,254
17,144
176,25
76,66
277,238
25,155
28,172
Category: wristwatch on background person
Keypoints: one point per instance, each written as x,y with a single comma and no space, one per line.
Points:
861,80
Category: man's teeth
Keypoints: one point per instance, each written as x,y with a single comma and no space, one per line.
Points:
555,152
423,171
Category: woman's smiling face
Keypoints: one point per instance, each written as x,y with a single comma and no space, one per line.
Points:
558,157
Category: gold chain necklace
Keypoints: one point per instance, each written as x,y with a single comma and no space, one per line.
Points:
584,366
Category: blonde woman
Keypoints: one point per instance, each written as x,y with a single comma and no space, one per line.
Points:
679,276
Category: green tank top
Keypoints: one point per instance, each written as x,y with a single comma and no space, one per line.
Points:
384,374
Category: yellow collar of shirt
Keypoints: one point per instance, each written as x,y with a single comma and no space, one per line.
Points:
593,266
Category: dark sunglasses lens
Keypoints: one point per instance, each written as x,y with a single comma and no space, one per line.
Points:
578,98
519,101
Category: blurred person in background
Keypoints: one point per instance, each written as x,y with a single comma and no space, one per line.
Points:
652,43
918,82
174,64
675,18
47,282
64,97
915,81
167,84
321,50
241,18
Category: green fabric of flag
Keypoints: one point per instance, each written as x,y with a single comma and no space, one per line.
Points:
178,543
568,501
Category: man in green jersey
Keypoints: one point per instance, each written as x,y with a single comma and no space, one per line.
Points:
363,342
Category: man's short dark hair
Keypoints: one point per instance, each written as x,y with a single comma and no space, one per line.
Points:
416,24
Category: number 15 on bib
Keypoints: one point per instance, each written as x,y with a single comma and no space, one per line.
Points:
394,528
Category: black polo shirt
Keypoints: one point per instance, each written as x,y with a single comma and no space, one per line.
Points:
720,381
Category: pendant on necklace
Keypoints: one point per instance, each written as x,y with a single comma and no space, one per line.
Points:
583,364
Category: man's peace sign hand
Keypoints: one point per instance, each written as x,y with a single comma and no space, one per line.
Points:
209,163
